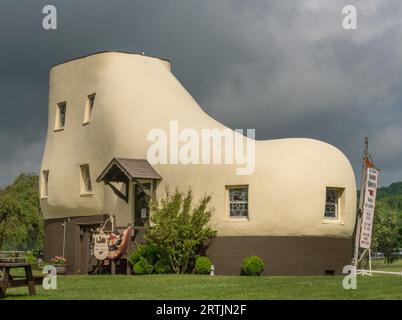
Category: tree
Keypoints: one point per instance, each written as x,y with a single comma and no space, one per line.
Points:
21,221
180,228
386,231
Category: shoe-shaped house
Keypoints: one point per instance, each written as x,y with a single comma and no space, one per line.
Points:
295,209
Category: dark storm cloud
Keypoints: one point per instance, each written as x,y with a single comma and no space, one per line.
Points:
286,68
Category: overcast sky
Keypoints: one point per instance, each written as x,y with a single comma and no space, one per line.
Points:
286,68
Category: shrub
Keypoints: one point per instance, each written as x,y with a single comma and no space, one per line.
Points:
149,252
31,259
154,256
162,266
143,267
202,265
252,266
180,228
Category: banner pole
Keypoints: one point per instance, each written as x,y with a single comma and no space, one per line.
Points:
360,209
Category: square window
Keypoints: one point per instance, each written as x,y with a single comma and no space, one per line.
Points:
238,201
86,185
45,181
332,204
89,105
61,115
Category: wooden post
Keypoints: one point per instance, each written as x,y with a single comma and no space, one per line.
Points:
361,200
114,223
128,268
113,263
30,280
4,282
129,249
113,267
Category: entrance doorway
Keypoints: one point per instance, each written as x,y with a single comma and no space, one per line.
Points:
142,197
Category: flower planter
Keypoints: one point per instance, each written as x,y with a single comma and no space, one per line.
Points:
61,269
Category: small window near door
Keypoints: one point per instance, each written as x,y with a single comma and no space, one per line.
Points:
238,201
45,181
86,185
89,105
61,116
332,204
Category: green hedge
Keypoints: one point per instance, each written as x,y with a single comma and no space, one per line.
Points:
143,267
162,266
202,265
148,259
252,266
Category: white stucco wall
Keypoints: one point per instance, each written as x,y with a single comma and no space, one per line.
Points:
135,94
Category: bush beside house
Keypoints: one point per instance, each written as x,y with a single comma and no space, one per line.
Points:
178,233
252,266
202,265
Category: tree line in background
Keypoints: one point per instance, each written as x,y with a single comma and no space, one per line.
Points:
21,221
387,227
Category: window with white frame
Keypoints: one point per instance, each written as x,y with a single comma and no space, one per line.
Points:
89,105
332,204
61,115
238,201
45,182
86,185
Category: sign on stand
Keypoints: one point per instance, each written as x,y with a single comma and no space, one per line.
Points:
368,207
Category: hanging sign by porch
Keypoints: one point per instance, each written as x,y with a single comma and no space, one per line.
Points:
368,207
101,248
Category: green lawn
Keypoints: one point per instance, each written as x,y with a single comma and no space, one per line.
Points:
381,265
217,287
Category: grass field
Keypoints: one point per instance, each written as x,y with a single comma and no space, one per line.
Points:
217,287
381,265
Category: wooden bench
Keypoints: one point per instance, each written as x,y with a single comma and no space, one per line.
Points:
8,281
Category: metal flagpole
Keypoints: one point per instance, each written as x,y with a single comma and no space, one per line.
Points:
360,209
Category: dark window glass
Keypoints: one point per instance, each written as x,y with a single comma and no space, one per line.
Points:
62,114
238,201
331,204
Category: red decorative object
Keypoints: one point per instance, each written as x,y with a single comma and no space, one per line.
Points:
118,244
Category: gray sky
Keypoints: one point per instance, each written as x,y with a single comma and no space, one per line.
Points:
286,68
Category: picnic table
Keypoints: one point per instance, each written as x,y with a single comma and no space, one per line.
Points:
8,281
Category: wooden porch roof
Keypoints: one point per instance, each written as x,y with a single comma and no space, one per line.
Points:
123,169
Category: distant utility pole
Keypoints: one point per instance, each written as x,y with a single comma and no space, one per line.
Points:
361,200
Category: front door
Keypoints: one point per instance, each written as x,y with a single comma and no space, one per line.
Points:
142,196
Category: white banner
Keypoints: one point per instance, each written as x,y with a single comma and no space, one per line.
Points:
368,208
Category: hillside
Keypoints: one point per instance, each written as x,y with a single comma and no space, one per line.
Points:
391,196
395,189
